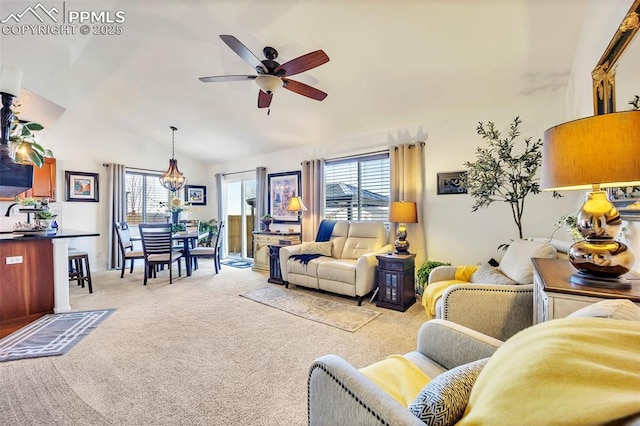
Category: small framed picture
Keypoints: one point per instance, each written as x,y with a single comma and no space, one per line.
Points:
283,186
196,195
81,186
451,183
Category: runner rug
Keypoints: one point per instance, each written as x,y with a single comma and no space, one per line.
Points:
50,335
336,314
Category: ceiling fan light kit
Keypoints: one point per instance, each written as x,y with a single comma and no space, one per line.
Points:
271,74
268,83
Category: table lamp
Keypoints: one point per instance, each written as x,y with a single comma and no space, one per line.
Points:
402,212
595,152
296,205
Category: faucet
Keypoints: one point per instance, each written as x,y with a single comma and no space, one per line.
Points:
8,213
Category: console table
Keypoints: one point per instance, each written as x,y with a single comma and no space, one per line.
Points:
554,296
261,242
396,282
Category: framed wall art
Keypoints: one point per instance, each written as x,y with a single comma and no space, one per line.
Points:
283,186
196,195
81,186
450,183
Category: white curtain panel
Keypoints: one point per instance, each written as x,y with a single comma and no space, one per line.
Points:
407,163
313,191
117,198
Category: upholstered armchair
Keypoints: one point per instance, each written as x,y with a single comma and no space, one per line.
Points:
494,301
460,376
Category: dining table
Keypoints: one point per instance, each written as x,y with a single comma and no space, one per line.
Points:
187,237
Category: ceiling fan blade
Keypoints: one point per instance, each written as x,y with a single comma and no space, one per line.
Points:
303,63
242,51
264,99
304,89
217,78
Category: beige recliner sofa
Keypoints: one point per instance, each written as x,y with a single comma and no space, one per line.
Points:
351,268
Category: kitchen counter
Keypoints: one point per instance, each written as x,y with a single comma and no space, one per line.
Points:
35,276
62,233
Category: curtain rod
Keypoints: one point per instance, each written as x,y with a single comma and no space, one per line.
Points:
237,173
347,157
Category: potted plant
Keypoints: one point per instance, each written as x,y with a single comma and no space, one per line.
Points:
423,274
266,221
499,174
24,147
44,219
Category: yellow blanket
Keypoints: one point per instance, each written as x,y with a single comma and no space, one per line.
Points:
571,371
398,377
434,291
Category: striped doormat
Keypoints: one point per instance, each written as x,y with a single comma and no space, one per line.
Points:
50,335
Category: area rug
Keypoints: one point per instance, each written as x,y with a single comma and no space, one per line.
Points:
236,263
50,335
339,315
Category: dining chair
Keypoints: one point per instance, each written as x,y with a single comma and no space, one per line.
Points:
192,225
212,252
158,250
126,246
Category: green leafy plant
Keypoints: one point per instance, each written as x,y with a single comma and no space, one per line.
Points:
423,273
24,147
500,173
206,226
43,215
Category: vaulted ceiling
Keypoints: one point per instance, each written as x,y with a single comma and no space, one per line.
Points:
392,63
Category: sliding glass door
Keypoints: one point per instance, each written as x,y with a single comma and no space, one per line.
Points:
240,214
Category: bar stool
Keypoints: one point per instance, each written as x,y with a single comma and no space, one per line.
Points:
79,268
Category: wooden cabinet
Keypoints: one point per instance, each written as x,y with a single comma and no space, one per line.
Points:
554,296
44,182
26,287
261,243
275,273
396,282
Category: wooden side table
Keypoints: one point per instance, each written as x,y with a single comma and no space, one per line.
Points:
396,282
275,274
554,296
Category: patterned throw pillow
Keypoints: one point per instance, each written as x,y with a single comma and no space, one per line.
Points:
443,400
487,274
314,247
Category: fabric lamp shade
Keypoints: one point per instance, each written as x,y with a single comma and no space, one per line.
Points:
602,150
296,205
403,212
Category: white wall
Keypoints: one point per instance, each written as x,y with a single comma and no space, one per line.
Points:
453,232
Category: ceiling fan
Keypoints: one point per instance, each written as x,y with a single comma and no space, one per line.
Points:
272,75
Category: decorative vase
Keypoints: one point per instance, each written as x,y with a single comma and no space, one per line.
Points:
175,217
266,223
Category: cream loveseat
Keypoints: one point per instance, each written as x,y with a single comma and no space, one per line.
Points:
580,370
349,264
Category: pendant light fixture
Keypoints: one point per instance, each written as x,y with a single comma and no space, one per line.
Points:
172,179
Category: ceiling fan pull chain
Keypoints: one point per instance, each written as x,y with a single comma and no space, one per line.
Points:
269,111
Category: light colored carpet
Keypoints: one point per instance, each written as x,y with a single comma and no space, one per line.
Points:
50,335
340,315
189,353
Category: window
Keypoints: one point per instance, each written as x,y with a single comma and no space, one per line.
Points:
358,188
144,195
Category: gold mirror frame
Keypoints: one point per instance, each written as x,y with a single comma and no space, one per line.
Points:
603,75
